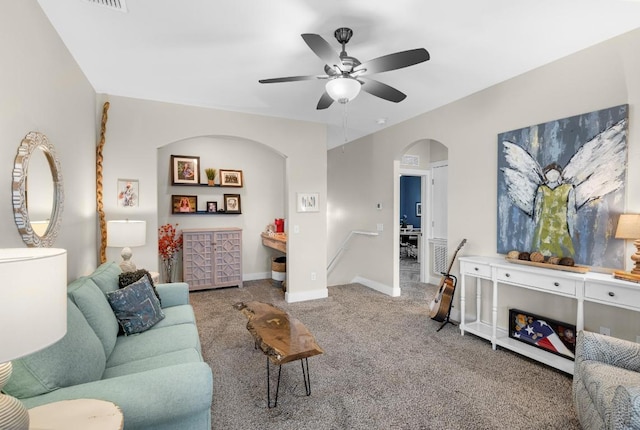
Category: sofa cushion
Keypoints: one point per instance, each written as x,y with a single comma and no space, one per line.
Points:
154,342
106,276
96,309
136,307
75,359
176,315
190,355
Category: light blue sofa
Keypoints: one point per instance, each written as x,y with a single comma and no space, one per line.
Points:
158,378
606,382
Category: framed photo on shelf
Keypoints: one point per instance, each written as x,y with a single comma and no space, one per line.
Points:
183,204
308,202
553,336
230,178
185,170
128,190
232,203
212,207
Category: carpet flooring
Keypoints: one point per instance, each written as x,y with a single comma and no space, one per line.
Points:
384,367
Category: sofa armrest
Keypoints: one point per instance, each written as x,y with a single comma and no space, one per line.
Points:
173,294
626,407
609,350
148,399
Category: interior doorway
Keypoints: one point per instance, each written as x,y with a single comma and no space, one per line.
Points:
414,222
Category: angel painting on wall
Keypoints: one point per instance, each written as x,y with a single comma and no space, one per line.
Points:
561,187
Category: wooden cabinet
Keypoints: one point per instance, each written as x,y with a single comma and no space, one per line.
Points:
212,258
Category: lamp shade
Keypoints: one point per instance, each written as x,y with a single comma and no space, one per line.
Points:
126,233
33,300
343,89
628,227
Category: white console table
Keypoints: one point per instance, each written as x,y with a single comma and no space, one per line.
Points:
592,287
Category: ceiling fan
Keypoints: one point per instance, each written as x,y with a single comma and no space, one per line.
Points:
347,75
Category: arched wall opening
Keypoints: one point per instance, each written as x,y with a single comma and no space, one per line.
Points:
262,196
421,240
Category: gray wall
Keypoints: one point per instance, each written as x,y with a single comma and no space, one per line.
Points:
366,171
44,90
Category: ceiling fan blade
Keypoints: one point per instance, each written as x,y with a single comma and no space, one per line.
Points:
325,101
393,61
381,90
292,79
322,49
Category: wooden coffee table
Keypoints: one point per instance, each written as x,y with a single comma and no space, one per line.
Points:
282,338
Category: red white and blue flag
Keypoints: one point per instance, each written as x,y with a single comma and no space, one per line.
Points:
541,334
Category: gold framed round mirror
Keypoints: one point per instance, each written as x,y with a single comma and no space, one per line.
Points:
37,191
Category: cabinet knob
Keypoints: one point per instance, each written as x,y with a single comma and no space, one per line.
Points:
507,275
476,269
556,284
611,294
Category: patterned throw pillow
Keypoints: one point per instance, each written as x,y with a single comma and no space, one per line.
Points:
136,306
128,278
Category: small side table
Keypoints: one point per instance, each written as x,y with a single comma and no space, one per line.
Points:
79,414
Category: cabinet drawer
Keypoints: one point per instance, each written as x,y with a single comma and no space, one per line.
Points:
475,269
617,295
554,284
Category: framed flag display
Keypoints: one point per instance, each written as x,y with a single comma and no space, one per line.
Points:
553,336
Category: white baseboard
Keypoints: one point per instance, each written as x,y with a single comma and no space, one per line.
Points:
374,285
256,276
303,296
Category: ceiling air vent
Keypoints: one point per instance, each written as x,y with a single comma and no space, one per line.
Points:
118,5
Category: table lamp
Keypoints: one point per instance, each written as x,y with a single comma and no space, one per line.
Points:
629,228
33,314
126,233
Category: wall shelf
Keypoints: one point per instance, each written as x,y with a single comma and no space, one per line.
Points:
207,213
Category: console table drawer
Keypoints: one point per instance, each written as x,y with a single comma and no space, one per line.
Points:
614,294
538,281
474,269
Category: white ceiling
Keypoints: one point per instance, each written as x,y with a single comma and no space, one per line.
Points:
212,53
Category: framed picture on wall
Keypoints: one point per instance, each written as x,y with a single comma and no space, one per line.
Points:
183,204
232,203
212,207
419,209
308,202
185,170
231,178
128,190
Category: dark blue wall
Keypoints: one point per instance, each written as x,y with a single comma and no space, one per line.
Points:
409,196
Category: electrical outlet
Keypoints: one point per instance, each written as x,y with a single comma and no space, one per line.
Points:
605,331
380,227
313,276
637,339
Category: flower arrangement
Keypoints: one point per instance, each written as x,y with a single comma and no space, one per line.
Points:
169,243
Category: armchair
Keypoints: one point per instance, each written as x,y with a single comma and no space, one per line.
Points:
606,382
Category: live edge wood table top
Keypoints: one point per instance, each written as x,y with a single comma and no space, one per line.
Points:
281,337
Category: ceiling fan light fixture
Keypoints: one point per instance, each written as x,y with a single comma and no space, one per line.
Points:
343,89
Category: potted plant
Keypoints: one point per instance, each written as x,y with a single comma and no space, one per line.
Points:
211,175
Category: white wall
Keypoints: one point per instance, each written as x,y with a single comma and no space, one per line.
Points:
137,128
44,90
603,76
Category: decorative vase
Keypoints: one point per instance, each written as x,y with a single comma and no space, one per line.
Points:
211,182
169,269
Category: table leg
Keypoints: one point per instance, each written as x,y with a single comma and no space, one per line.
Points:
275,403
306,376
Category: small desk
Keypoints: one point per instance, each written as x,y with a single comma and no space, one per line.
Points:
276,241
406,233
282,338
79,414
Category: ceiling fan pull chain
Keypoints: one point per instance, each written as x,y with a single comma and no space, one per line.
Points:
344,122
